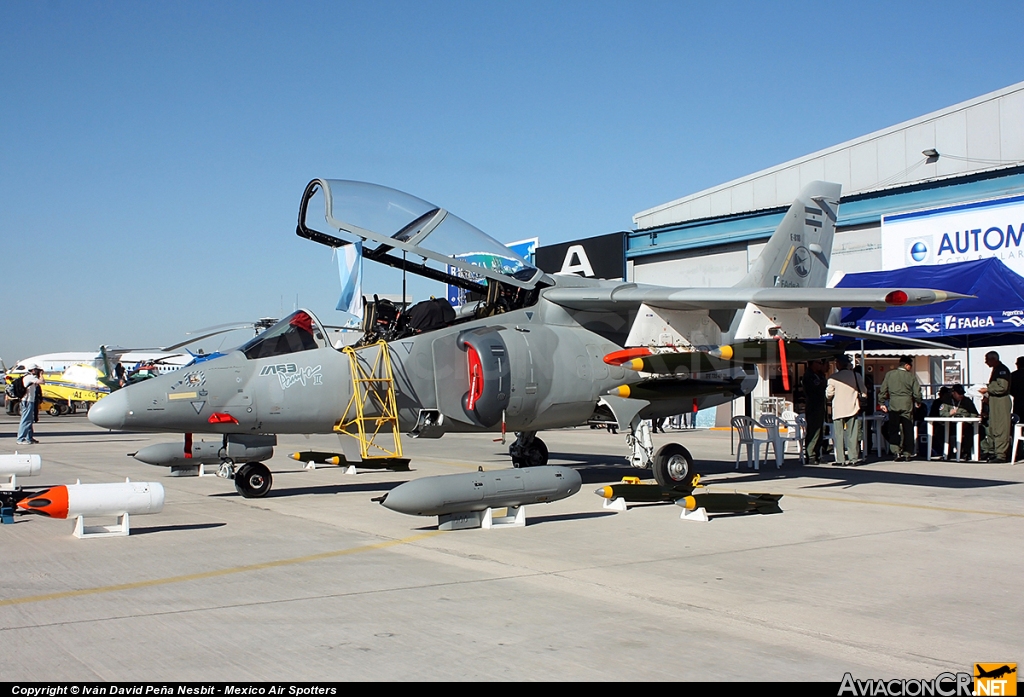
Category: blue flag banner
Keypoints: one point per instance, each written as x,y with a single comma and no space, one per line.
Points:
350,269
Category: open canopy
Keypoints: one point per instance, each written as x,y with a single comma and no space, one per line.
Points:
994,316
391,222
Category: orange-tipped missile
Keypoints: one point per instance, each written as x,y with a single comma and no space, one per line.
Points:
74,500
52,503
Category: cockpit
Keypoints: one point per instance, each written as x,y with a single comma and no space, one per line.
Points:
408,233
296,332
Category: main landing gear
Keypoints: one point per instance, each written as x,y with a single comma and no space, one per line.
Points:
672,465
528,450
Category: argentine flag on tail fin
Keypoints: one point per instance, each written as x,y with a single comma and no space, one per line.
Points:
350,269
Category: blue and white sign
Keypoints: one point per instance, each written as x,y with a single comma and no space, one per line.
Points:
964,232
526,249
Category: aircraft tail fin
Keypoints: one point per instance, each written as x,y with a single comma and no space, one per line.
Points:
799,252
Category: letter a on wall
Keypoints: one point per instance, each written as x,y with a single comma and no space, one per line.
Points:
576,261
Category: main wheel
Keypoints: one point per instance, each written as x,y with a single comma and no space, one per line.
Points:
253,480
536,454
673,466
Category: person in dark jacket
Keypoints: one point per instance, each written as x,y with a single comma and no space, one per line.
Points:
1017,389
815,384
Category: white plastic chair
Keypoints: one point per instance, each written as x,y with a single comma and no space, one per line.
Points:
1018,436
797,427
745,426
772,424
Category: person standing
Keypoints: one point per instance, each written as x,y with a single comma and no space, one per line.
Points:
33,381
1017,389
845,390
996,445
902,390
815,384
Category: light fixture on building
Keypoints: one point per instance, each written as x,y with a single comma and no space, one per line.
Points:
932,154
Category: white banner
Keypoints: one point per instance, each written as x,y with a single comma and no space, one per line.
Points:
350,270
964,232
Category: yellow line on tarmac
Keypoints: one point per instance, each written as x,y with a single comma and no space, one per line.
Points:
907,505
215,573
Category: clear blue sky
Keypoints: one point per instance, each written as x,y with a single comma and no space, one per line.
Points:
152,155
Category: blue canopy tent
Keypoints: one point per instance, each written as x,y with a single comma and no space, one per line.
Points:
995,316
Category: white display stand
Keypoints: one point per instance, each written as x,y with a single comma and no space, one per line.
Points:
83,531
616,504
698,515
515,517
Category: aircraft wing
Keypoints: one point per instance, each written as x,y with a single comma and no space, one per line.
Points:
616,297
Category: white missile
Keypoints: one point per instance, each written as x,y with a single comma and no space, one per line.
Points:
21,465
80,500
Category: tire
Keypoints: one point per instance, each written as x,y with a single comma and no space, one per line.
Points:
253,481
673,466
54,410
536,454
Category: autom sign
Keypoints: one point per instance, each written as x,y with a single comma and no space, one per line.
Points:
964,232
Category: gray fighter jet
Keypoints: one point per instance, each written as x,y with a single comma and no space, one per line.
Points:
528,352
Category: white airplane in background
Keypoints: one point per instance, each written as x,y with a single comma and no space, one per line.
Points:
59,362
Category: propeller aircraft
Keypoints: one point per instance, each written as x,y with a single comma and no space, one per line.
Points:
533,352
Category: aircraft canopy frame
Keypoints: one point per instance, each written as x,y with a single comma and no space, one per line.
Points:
395,222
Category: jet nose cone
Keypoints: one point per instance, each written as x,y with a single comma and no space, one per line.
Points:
111,411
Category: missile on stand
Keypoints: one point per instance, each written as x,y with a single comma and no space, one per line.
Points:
465,500
79,501
203,452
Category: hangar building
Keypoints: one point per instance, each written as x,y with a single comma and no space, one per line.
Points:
959,169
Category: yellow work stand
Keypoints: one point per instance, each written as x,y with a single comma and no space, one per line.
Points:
371,416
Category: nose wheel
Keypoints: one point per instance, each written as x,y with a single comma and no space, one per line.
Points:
673,465
253,480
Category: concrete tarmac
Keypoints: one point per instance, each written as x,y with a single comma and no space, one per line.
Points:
891,570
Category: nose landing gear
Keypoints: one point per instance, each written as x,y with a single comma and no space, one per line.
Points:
528,451
253,480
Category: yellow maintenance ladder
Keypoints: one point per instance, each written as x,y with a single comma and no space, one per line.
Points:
373,391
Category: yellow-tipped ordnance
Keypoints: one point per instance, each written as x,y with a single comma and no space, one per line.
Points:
714,502
318,456
630,489
723,352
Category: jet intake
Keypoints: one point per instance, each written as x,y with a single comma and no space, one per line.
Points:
490,377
